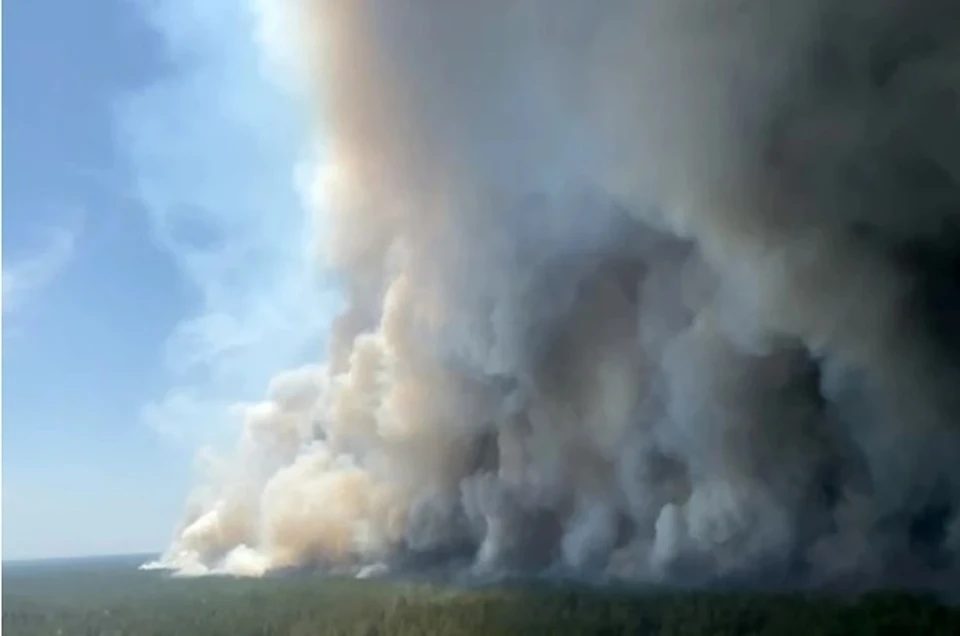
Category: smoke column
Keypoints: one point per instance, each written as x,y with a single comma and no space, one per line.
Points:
652,289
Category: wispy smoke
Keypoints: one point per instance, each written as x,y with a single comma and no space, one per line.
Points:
646,288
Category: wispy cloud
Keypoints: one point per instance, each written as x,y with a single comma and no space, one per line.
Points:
214,147
27,276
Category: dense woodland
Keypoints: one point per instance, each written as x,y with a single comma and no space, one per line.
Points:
114,601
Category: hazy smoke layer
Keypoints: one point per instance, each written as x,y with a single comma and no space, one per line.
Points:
659,289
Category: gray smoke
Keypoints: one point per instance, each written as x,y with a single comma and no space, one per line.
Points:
655,289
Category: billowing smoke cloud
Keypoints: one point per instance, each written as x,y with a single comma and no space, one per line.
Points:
657,289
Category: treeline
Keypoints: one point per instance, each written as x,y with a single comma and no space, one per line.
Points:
283,608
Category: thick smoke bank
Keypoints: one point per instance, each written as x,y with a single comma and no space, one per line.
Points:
655,289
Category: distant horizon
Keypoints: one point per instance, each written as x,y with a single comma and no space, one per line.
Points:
84,557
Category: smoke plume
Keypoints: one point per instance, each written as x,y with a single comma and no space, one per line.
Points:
652,289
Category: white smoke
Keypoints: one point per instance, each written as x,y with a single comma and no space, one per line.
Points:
634,288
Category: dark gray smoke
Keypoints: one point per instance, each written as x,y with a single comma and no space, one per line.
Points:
652,289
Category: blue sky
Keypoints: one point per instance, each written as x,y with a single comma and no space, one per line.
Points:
156,260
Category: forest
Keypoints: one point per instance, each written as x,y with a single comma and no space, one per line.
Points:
119,601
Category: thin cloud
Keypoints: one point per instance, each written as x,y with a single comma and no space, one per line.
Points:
213,147
25,278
